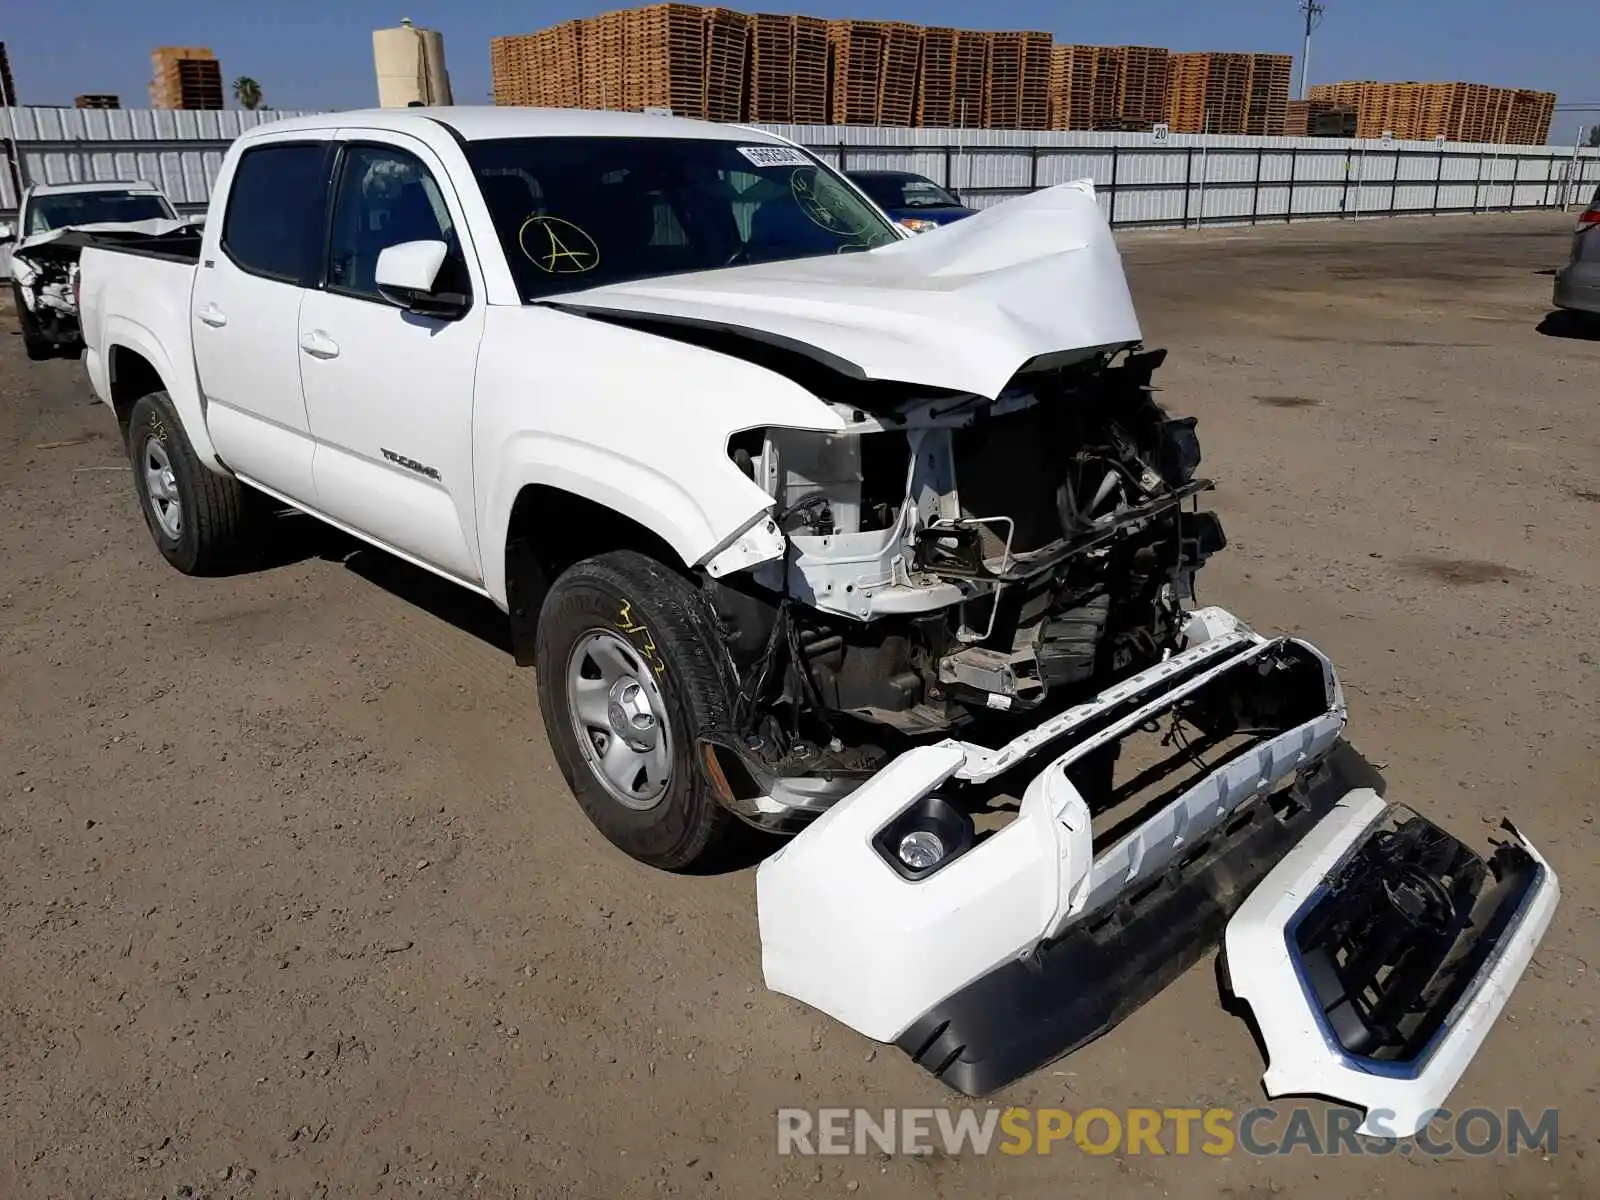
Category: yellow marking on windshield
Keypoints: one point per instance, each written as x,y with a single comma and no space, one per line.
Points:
557,246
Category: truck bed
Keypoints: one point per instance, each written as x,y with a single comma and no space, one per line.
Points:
180,245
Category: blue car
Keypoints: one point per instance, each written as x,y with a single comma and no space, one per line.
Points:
915,201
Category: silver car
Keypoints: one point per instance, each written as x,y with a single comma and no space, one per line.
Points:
1578,283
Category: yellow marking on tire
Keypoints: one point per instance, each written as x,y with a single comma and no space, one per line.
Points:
628,625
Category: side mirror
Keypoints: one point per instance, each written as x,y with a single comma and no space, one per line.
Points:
8,232
406,274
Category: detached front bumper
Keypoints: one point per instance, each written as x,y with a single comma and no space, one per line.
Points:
1018,947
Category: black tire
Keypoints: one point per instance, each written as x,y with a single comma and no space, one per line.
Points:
662,618
34,345
212,507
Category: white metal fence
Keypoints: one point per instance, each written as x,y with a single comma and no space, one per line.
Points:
1142,179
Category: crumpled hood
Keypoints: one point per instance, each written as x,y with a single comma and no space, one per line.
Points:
963,307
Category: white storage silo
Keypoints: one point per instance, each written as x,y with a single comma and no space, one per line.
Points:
410,66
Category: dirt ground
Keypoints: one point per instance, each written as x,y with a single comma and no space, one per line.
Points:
295,903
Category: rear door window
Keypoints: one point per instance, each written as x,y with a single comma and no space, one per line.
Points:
275,208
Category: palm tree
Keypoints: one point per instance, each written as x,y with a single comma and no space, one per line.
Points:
247,92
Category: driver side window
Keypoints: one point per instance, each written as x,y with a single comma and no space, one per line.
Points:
385,197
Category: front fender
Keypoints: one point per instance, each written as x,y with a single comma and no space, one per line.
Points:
632,421
642,492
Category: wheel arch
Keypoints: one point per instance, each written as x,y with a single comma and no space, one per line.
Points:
549,528
136,358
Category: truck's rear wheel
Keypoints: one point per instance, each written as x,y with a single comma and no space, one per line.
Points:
629,677
195,515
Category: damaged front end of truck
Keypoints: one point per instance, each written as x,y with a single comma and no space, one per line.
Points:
1031,779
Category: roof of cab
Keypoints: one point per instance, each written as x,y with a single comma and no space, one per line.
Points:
480,123
93,185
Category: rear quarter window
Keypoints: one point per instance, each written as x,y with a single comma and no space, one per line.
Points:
275,211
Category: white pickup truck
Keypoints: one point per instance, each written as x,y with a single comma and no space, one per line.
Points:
816,526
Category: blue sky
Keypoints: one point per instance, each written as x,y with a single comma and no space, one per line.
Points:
319,55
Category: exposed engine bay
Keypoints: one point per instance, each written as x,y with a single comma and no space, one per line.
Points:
958,562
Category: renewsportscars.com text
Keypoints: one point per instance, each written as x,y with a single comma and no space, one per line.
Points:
1262,1132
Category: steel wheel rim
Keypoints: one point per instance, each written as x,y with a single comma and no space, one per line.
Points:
620,718
161,486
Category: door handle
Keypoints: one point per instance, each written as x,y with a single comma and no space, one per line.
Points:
319,345
213,316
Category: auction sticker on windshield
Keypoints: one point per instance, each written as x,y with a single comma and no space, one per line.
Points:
775,156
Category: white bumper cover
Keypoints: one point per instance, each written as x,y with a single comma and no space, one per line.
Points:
845,933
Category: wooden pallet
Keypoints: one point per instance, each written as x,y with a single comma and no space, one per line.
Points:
1187,76
810,71
971,77
856,59
1531,114
1073,75
772,49
1143,100
1017,95
1271,76
1110,78
665,58
727,43
936,82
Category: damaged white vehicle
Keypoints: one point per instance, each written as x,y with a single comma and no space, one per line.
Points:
44,252
881,542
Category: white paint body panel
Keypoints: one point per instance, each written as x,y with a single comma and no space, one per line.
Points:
1303,1060
963,307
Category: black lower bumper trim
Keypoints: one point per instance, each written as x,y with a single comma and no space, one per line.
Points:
1031,1011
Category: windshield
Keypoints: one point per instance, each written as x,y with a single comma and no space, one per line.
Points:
581,212
89,208
905,191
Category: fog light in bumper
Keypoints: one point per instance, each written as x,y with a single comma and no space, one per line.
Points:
921,849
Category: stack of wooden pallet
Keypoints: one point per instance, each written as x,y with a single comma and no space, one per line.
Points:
539,69
856,58
664,59
1017,91
1268,106
1143,101
1187,76
505,61
936,88
1466,112
604,77
727,44
1110,75
1531,113
972,76
1072,74
1219,93
901,66
788,69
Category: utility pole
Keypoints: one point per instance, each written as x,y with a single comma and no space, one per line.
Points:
1313,10
14,151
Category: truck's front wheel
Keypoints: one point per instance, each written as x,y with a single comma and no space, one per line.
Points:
34,343
629,677
196,516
